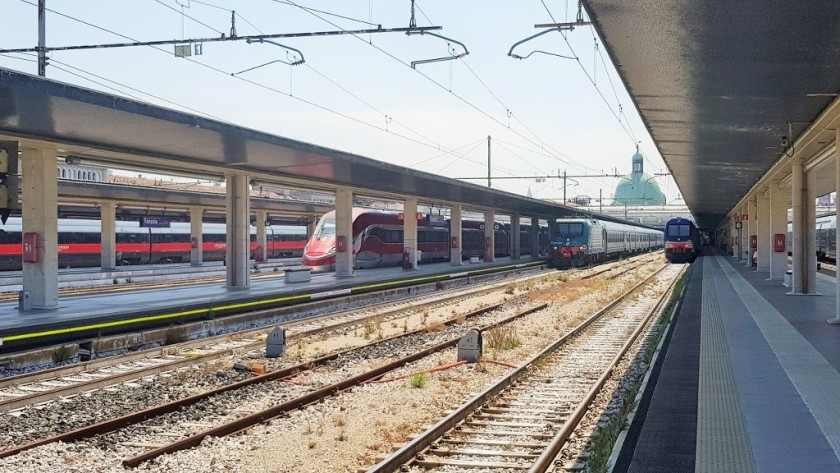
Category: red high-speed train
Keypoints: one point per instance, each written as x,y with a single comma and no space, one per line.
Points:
79,243
378,240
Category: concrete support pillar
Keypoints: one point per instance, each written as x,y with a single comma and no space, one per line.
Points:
238,231
535,237
836,319
108,235
311,222
804,231
455,254
40,216
515,243
196,236
489,236
344,229
751,230
552,230
745,234
765,238
262,236
778,226
811,232
410,230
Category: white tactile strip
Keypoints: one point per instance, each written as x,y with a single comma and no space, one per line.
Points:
817,382
723,443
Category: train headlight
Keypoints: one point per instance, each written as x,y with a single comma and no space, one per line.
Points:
331,251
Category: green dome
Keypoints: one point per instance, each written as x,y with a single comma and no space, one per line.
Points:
638,188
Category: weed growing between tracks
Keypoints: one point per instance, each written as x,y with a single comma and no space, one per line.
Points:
419,380
63,353
615,420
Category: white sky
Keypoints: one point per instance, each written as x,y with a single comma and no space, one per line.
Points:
559,121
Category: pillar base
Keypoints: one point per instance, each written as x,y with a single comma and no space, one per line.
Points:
803,294
833,321
344,276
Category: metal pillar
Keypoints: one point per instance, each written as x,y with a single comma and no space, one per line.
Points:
778,226
798,279
108,235
515,244
42,38
238,231
262,237
410,230
489,236
40,217
535,237
344,230
455,250
196,236
765,238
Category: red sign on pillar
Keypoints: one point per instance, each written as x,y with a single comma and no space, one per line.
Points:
745,217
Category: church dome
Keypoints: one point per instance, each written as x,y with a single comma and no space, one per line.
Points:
638,188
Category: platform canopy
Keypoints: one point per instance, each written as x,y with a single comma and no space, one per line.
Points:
717,84
91,124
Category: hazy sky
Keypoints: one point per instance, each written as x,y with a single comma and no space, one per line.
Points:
543,113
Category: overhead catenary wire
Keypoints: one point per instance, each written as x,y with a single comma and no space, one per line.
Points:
257,84
427,77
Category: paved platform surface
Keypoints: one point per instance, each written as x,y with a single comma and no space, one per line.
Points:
82,310
750,381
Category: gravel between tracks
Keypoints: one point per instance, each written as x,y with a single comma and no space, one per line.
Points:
348,431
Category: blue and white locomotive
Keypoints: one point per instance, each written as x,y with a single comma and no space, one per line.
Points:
579,242
682,240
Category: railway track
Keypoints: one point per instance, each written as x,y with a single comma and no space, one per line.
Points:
19,391
248,389
522,422
138,431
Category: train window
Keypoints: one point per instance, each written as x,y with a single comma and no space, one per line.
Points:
253,238
569,230
678,230
214,237
325,229
10,238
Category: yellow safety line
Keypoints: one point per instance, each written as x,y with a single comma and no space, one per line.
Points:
242,305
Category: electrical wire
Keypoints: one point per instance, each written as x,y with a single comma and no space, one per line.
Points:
180,12
561,156
377,110
263,86
427,77
591,80
309,9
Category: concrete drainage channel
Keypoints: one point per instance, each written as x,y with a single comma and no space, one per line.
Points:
112,345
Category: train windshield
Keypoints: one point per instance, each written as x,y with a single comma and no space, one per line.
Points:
569,230
325,229
678,230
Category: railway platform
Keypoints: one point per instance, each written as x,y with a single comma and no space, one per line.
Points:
94,315
749,380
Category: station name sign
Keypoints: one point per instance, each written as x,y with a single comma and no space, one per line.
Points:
154,222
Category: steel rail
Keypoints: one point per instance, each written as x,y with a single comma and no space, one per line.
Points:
546,459
410,450
62,371
145,414
270,413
